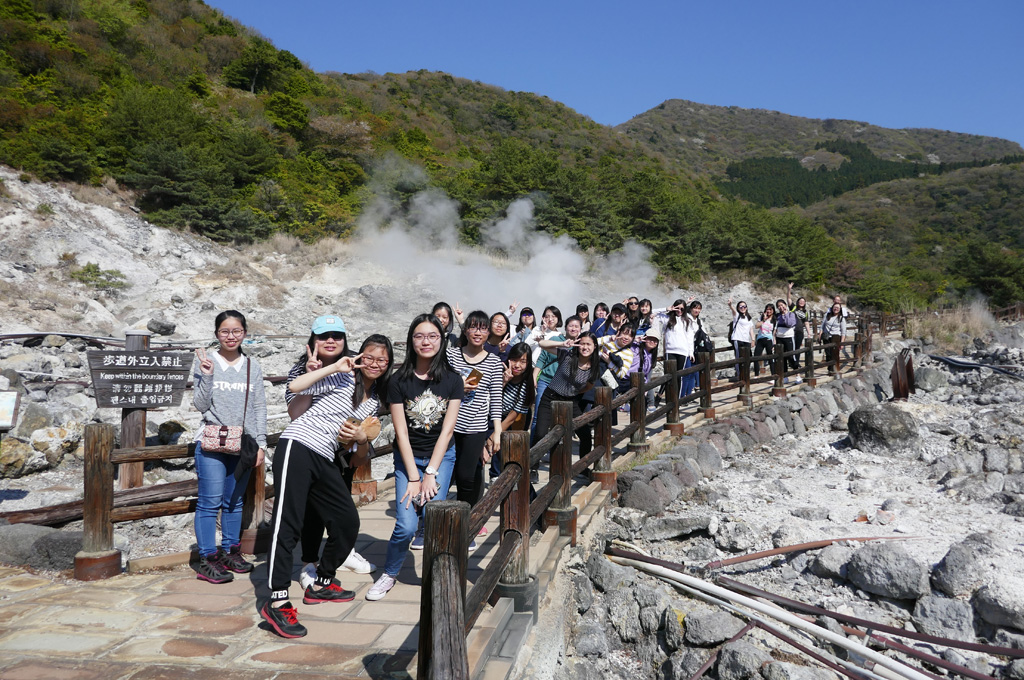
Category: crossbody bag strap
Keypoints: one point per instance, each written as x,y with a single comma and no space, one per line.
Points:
245,408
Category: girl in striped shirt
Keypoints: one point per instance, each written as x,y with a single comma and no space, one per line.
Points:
480,409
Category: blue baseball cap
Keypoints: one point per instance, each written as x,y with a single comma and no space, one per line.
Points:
328,323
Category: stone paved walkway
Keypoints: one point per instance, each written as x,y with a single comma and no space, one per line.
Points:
167,624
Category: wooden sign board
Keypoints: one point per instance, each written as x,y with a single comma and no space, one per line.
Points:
139,379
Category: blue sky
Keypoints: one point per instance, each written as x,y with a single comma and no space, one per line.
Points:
899,63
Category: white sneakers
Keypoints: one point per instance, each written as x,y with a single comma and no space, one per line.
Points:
380,587
358,564
354,562
307,576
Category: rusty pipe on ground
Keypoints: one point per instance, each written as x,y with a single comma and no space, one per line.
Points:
739,587
897,668
812,545
714,655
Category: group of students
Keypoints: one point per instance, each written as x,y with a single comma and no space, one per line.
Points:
449,401
786,323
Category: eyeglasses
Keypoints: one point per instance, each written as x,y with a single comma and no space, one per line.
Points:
371,361
633,304
431,337
330,335
742,307
478,329
526,314
231,333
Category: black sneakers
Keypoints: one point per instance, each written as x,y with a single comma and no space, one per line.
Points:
211,569
284,620
233,561
331,592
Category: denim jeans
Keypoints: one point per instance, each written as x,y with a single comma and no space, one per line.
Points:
536,408
218,492
407,519
688,382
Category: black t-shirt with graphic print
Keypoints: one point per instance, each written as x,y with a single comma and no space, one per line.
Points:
426,404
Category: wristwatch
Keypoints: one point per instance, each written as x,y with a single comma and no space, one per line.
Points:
431,471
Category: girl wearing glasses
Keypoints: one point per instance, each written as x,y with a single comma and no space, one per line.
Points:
327,343
742,333
424,397
221,379
478,428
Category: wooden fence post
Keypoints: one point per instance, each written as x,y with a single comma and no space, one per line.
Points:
446,532
638,414
744,371
516,581
809,378
779,369
98,558
672,423
603,471
705,385
253,539
133,420
837,349
561,510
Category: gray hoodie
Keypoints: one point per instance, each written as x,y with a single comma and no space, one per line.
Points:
221,397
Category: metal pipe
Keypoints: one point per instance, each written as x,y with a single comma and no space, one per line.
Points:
811,545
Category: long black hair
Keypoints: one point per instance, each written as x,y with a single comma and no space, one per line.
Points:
574,359
451,316
689,317
476,319
380,385
518,351
438,364
673,315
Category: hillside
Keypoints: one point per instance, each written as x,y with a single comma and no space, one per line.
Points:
703,138
915,238
219,132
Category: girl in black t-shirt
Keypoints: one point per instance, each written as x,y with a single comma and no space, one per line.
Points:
424,396
577,372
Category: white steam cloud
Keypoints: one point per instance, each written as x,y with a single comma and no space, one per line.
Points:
418,242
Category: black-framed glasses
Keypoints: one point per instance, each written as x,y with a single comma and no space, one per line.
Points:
330,335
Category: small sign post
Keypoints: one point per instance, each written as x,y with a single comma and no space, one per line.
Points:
136,379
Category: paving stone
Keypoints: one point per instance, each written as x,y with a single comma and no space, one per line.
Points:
399,637
16,612
95,619
336,658
240,586
198,624
200,673
20,584
209,603
340,633
387,612
57,643
193,647
90,670
87,597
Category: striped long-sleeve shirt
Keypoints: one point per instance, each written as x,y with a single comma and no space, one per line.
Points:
483,404
317,428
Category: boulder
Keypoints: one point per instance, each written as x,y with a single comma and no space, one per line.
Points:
684,664
607,575
783,670
882,426
741,661
930,379
944,617
709,627
624,614
887,569
664,528
33,417
957,574
1002,603
17,541
642,496
831,562
161,327
736,536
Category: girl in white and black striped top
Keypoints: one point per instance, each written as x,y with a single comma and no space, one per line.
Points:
480,409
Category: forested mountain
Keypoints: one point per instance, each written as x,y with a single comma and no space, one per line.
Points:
917,238
224,134
705,138
219,132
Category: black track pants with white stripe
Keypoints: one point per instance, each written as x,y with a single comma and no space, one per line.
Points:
301,474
